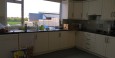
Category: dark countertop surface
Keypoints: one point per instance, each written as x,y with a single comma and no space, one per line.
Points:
99,32
17,32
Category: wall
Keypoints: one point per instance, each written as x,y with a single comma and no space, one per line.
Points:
3,12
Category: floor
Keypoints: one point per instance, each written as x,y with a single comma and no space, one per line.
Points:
68,53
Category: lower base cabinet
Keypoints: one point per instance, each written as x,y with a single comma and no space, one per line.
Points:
110,50
100,44
61,40
41,43
8,44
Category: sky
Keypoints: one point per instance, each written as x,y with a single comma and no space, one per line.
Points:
32,6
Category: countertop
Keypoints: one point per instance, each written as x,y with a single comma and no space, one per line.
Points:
99,32
20,31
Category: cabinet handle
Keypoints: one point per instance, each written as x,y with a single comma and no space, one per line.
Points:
112,14
59,35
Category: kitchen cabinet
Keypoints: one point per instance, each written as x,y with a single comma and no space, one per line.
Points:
67,39
90,42
54,41
85,10
64,36
77,10
26,40
41,43
100,44
61,40
8,43
71,9
110,50
71,39
80,40
95,7
108,9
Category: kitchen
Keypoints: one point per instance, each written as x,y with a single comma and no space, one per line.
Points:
99,43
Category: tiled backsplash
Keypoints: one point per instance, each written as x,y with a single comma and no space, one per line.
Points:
91,25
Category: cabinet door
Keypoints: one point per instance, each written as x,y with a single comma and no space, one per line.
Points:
8,43
95,7
71,39
110,51
80,40
90,41
100,44
54,41
41,43
85,10
26,40
108,8
77,10
64,39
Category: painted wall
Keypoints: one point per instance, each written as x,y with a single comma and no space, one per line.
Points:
3,12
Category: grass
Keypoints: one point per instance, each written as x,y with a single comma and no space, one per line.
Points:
14,23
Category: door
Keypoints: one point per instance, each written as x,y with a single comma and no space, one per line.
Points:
107,10
80,40
100,44
85,10
64,36
77,10
41,43
54,41
90,41
71,39
95,7
110,51
26,40
8,44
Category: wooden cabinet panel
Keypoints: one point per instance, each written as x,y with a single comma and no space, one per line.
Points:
41,43
26,40
110,50
8,43
108,8
100,44
54,41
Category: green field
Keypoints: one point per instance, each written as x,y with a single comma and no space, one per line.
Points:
14,23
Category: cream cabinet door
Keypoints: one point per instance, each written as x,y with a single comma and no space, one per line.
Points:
90,41
110,51
85,10
41,43
54,41
108,8
95,7
71,39
80,40
64,36
77,10
100,44
8,43
26,40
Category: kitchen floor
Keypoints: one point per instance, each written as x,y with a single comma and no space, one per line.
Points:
68,53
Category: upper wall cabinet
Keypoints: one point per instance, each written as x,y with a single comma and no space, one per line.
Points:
77,10
85,10
71,9
108,9
95,7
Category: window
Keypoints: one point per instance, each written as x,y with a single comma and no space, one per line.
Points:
43,12
13,14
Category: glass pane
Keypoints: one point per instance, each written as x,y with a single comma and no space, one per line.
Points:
13,14
40,12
